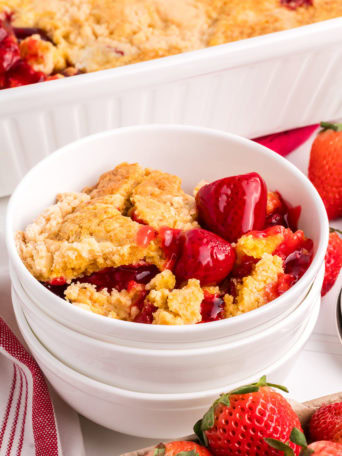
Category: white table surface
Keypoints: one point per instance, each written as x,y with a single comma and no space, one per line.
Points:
317,372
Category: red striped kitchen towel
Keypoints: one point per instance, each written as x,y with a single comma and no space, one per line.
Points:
28,421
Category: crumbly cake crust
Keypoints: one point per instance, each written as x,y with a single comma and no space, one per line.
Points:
97,34
88,231
160,201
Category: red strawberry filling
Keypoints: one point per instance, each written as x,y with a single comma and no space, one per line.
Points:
284,214
203,256
146,313
294,4
120,278
212,307
14,71
232,206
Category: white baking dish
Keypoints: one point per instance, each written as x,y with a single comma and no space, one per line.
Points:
250,87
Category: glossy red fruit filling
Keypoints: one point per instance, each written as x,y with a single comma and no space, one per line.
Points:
21,74
295,250
245,267
298,262
120,278
9,49
170,243
146,313
293,242
145,235
14,71
204,256
294,4
212,308
284,214
232,206
285,281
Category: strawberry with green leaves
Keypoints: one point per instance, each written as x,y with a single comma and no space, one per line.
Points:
238,422
181,448
321,448
325,167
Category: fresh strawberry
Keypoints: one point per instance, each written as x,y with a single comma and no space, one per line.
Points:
287,141
181,448
321,448
326,423
233,206
238,422
333,261
203,256
325,167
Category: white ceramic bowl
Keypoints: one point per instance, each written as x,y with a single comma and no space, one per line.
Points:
168,371
157,416
193,154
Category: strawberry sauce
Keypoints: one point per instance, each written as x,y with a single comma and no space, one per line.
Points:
212,308
14,71
121,278
284,214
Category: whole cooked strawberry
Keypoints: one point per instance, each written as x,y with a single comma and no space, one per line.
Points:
325,167
204,256
238,422
326,423
333,261
181,448
232,206
321,448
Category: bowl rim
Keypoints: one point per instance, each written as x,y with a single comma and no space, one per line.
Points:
85,381
177,353
311,272
184,352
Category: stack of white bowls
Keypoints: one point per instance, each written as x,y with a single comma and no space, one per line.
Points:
149,380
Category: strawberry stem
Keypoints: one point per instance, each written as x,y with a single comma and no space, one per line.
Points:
330,126
335,230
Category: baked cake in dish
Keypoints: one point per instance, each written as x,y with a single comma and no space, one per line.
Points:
50,39
136,247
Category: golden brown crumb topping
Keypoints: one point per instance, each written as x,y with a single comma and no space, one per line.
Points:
97,34
85,232
160,201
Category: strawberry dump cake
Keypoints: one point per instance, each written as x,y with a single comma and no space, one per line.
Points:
136,247
42,40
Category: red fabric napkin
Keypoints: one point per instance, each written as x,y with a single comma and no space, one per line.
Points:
285,142
27,416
